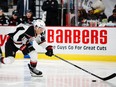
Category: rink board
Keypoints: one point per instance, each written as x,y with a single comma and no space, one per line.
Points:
74,43
74,57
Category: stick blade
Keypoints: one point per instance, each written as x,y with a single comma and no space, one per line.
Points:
109,77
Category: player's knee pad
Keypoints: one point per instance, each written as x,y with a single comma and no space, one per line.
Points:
33,56
9,60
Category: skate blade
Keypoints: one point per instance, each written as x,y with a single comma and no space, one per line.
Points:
36,75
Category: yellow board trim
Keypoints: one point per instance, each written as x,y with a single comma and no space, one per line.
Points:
74,57
81,57
18,56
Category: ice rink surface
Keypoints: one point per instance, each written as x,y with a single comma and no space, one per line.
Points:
57,73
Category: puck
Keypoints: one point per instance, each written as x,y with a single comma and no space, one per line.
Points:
93,80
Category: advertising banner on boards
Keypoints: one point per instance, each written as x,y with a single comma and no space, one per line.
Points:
74,40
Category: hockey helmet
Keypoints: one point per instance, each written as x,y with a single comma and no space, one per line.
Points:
39,23
15,13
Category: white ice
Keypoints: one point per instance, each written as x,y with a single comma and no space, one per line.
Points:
57,73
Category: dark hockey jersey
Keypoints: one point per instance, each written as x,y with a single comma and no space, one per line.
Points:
26,32
22,32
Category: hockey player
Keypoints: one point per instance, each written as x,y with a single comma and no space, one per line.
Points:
20,40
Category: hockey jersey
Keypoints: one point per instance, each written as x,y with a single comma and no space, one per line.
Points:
25,34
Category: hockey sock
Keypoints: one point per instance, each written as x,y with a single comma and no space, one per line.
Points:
33,64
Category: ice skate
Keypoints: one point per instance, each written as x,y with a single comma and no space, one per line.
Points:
34,72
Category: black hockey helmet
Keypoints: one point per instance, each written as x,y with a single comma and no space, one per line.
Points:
15,13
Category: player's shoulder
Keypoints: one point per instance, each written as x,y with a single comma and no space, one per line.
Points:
31,27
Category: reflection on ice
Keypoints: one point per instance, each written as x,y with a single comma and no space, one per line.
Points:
56,74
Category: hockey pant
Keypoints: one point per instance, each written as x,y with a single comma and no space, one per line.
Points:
11,49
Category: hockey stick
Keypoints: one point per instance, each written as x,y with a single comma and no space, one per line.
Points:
104,79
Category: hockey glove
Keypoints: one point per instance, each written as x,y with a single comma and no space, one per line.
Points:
49,51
